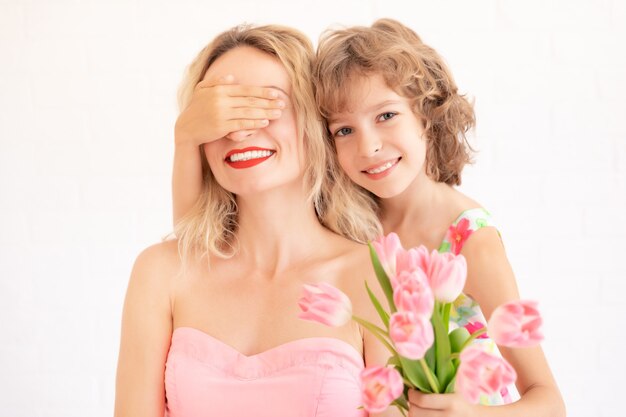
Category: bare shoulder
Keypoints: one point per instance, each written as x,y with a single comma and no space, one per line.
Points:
459,202
359,271
162,256
490,277
154,272
356,260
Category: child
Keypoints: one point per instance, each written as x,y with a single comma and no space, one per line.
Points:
398,125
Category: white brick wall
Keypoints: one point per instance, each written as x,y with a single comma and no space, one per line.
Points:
87,106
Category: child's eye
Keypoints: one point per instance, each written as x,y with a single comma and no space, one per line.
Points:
343,131
386,116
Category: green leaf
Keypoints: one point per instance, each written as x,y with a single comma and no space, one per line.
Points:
394,361
450,387
443,364
383,279
430,357
414,373
384,316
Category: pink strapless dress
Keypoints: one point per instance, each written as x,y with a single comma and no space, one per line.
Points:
317,376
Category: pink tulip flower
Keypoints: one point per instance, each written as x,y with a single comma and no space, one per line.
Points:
447,274
412,259
516,324
386,248
412,293
325,304
379,387
481,372
411,334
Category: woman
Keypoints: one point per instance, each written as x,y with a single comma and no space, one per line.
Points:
215,331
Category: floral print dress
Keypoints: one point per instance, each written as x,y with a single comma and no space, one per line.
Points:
466,312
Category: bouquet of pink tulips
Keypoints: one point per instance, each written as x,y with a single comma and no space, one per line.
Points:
420,288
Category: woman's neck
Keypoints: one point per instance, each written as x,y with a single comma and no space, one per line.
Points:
278,228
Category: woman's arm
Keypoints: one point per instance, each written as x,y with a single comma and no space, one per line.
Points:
146,335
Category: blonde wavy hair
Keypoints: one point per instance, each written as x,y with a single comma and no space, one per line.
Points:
412,69
211,226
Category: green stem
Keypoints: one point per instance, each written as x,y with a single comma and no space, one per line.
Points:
401,402
408,383
402,411
376,331
446,315
371,326
473,337
429,375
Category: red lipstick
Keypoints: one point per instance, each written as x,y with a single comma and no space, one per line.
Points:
248,162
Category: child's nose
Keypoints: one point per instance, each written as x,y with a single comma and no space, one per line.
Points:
369,145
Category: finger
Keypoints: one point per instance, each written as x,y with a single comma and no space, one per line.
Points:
259,103
252,91
216,80
251,113
419,412
429,401
240,135
414,396
245,124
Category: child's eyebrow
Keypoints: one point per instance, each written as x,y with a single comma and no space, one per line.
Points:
383,104
338,116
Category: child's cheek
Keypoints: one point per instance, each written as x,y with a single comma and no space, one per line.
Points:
343,155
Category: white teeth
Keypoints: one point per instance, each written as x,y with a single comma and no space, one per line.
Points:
382,168
245,156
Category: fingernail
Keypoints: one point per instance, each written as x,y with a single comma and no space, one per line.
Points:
276,113
280,103
273,94
229,77
264,122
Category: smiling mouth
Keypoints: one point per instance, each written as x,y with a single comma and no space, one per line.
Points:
249,157
383,167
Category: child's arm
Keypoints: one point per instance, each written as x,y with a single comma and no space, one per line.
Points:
186,179
218,109
490,281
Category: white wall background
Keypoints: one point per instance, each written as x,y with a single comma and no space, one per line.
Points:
87,108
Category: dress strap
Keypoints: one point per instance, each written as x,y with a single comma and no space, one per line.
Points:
467,223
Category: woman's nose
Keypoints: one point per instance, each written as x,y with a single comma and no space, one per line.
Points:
241,135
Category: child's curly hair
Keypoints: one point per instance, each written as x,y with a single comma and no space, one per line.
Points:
412,69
